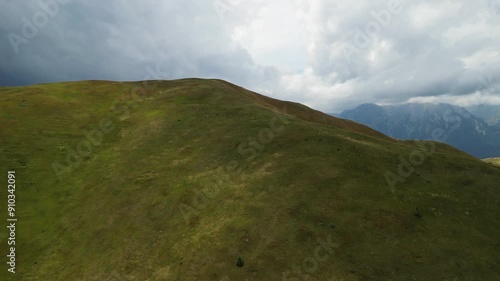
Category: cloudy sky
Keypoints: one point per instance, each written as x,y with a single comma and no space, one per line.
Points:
328,54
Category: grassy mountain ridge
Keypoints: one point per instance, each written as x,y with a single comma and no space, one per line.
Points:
187,175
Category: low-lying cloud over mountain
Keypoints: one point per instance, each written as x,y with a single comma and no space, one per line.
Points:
331,55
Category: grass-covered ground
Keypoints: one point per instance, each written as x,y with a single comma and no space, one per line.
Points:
178,180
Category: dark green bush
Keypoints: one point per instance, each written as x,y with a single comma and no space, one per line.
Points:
239,262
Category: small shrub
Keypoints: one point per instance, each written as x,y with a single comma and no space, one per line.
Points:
418,214
239,262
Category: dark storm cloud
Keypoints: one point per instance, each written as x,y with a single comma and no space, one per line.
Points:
118,40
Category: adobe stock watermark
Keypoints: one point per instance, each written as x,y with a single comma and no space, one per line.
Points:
30,28
407,165
223,6
118,276
484,90
222,177
487,84
486,14
94,137
309,265
363,37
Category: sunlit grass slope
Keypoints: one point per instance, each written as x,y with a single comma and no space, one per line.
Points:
494,161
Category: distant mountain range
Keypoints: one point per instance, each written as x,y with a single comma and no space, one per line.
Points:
441,122
490,113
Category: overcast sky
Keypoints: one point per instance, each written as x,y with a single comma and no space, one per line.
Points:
330,55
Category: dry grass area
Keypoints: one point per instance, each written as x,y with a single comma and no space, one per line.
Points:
494,161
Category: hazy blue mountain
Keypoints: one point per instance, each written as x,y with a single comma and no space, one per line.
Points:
442,122
490,113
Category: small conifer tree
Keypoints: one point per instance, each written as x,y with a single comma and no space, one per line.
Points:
239,262
418,214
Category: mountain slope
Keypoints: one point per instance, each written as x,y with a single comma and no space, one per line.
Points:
418,121
490,113
175,182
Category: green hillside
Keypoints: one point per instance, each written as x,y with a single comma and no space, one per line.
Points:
175,180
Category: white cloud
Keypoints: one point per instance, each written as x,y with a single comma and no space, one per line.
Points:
274,37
